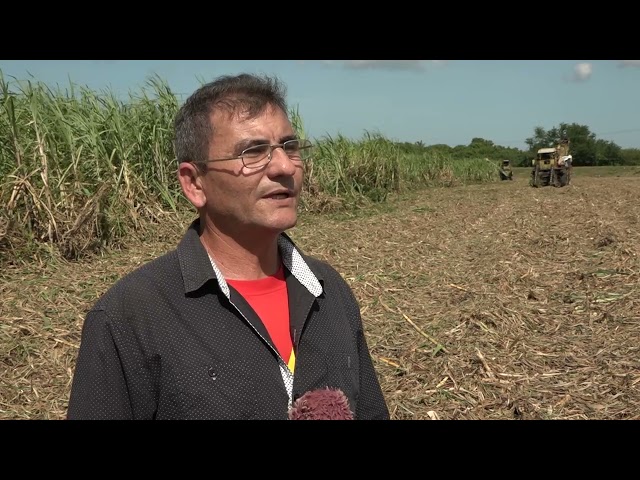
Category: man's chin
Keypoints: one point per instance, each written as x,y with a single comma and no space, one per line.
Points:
283,222
282,226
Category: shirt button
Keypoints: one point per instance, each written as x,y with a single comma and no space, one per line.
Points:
212,373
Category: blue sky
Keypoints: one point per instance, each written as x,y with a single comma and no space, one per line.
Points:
434,101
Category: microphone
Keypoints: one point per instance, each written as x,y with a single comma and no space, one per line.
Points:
321,404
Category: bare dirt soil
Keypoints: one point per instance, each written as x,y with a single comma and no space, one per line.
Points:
497,301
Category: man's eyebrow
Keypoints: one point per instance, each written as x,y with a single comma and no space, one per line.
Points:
244,144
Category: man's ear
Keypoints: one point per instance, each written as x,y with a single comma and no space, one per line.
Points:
191,182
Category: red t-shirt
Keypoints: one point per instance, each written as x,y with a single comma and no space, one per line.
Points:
268,297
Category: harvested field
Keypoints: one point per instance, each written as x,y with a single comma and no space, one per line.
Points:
496,301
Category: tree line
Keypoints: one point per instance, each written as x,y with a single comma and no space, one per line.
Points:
586,148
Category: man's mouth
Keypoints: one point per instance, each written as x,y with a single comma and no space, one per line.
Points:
279,195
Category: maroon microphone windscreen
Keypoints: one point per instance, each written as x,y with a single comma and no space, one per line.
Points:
321,404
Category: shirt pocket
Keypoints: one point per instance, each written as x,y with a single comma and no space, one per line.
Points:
343,372
223,390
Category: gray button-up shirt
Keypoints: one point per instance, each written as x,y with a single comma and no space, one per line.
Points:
172,340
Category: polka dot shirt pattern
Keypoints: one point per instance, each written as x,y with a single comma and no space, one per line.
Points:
172,340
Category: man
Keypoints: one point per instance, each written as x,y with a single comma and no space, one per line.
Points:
236,322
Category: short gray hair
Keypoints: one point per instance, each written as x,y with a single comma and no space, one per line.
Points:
245,94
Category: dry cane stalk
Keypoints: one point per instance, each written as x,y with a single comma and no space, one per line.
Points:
44,173
432,340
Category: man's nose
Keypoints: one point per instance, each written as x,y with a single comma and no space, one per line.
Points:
281,162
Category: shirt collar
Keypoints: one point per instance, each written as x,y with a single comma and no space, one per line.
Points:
195,263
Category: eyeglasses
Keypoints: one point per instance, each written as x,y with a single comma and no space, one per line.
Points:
259,156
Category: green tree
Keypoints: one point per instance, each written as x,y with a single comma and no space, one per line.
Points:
630,156
540,139
608,153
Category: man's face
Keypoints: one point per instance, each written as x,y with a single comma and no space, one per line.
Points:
240,198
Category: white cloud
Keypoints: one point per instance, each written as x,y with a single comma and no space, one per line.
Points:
629,63
582,71
386,64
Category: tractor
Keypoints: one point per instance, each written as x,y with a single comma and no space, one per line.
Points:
552,166
506,173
